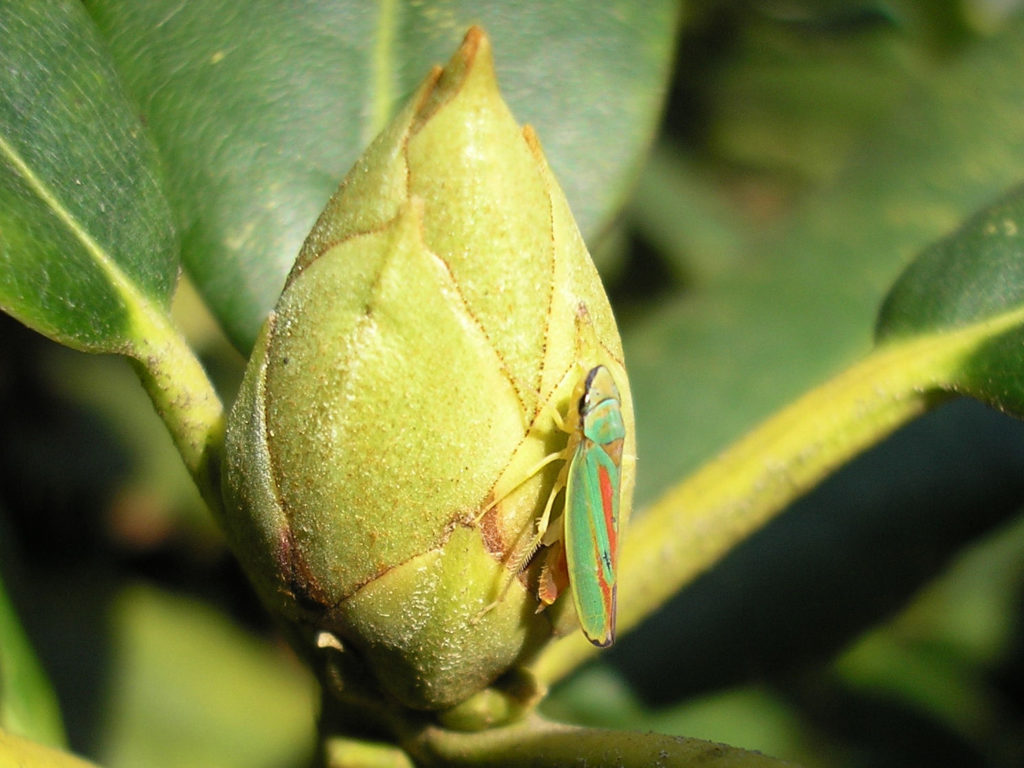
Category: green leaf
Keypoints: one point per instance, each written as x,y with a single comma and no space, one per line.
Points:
28,706
189,688
88,252
975,275
779,103
260,114
86,239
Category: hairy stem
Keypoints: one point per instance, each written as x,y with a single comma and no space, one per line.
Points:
186,401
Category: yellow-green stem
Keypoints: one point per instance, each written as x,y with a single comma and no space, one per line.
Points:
695,523
185,399
18,751
535,741
340,752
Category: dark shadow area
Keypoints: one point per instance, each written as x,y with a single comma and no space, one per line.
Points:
841,560
61,469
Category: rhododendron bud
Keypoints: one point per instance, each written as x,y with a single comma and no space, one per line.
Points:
380,455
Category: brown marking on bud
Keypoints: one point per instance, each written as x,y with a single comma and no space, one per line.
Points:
438,95
302,586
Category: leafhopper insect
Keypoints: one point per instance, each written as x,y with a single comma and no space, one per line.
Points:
583,543
591,516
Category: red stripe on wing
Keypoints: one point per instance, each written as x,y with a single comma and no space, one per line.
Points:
607,507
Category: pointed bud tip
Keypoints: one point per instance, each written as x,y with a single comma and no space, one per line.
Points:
475,40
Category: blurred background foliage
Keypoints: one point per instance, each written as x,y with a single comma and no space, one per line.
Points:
806,151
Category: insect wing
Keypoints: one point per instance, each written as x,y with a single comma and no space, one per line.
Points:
592,516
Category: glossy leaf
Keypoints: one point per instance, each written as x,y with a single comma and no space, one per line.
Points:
87,244
260,114
975,275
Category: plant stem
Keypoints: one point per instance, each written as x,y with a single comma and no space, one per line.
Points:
17,750
537,742
695,523
185,399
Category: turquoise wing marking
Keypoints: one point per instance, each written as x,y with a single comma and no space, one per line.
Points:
591,520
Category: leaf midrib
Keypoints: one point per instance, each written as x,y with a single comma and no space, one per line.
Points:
142,312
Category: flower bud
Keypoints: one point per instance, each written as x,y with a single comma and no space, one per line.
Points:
379,454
